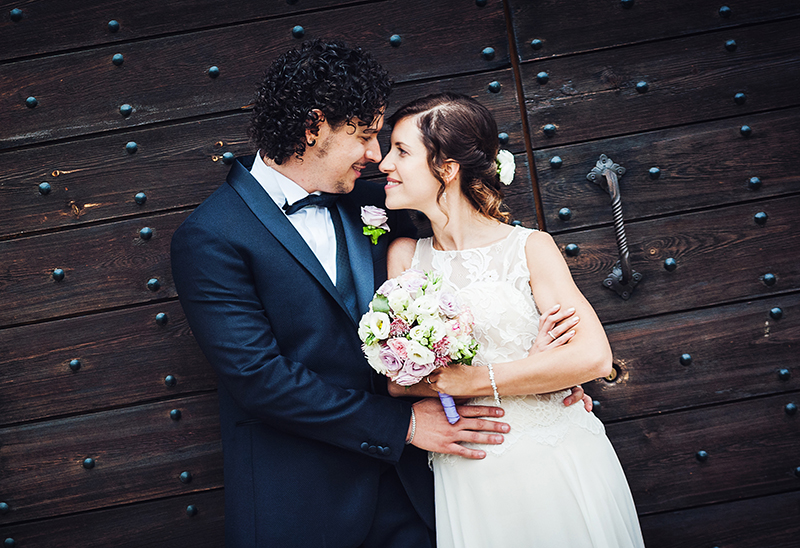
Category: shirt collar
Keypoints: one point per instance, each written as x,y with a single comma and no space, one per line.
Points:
279,187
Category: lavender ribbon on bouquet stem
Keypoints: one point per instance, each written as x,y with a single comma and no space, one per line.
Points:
449,407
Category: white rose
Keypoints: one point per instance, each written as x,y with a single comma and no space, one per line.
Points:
379,324
435,328
419,354
506,166
372,352
419,334
399,299
427,305
363,326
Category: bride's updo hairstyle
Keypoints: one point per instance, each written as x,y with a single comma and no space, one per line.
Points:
458,128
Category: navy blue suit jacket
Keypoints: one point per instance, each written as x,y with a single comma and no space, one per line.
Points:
306,425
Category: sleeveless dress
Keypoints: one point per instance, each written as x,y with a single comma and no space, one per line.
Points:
556,480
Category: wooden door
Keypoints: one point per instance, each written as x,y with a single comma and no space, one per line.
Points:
117,119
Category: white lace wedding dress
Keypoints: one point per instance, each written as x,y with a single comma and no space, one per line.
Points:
556,480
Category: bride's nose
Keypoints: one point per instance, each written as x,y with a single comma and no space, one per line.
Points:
386,166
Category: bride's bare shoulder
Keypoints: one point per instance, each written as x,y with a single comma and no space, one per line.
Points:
400,255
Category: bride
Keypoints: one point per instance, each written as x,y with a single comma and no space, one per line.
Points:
555,480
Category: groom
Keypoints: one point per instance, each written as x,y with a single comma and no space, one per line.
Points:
315,452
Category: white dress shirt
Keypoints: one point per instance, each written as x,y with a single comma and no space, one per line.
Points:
313,223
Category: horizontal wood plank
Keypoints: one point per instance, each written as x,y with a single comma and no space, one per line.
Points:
751,449
39,378
48,26
167,78
96,179
139,453
167,523
103,266
722,255
574,27
177,165
699,166
734,352
594,95
755,523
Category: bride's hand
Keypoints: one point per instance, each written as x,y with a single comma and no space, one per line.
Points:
456,379
556,328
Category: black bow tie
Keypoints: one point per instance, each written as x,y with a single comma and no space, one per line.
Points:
320,200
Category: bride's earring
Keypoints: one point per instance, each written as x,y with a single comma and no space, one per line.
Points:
444,196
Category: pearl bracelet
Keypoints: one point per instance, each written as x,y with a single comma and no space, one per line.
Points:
497,400
413,427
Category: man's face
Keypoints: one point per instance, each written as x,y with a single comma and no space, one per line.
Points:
341,154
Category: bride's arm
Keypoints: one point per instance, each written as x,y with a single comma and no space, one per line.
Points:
586,357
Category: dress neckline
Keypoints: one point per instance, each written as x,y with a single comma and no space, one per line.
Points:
487,246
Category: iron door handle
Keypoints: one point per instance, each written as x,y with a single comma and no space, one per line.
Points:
623,278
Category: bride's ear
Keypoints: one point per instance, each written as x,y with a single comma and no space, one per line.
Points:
450,171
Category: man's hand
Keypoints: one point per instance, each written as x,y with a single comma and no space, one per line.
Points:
579,395
434,433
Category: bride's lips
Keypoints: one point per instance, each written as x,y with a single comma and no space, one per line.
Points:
391,182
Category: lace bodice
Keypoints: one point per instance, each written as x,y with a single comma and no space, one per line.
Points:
494,282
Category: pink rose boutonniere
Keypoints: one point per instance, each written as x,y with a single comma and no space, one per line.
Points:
374,219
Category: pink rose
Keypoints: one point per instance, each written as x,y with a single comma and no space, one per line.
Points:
387,287
390,359
404,378
412,280
419,370
374,216
448,305
399,347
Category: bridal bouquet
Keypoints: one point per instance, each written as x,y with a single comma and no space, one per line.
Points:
414,326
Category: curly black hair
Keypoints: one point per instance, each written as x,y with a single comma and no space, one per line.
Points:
341,82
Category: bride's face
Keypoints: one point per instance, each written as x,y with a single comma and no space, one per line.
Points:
409,182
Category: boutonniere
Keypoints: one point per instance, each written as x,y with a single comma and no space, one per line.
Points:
505,167
374,219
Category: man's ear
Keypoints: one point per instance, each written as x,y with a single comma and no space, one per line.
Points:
314,120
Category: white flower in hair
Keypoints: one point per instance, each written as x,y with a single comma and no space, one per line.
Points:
505,166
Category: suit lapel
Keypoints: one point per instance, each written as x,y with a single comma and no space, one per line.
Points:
358,247
279,226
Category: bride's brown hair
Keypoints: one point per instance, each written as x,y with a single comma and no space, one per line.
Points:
459,128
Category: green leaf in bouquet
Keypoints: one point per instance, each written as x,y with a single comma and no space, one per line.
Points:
380,303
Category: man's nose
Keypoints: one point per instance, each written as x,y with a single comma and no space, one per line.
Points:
374,152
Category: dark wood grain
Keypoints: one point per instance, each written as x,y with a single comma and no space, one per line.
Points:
96,179
167,78
736,353
693,79
155,524
752,451
573,27
105,266
721,256
755,523
701,165
116,349
49,26
139,454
